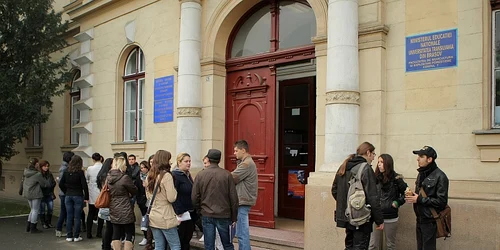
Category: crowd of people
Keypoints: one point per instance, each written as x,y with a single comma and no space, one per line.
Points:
166,194
386,191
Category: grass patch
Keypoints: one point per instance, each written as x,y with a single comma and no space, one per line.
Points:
12,208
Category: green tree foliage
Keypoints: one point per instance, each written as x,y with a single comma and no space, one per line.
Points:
31,34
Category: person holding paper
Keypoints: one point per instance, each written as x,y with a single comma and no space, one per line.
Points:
183,205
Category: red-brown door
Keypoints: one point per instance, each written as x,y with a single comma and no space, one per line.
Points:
250,116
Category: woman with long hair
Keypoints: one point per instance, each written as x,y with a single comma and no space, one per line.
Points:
357,237
48,195
33,182
91,176
141,194
162,217
104,212
74,185
391,190
184,186
121,211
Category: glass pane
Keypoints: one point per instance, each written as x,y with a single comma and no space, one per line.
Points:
296,125
296,95
497,39
142,64
254,35
130,126
130,95
295,155
131,67
496,101
140,123
297,24
141,93
75,77
36,135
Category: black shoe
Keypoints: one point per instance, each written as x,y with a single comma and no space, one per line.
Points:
33,228
28,227
98,235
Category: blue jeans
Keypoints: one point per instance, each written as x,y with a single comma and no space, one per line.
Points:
162,236
35,206
47,202
242,228
222,225
74,206
62,214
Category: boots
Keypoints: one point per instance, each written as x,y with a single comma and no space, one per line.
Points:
48,221
128,245
33,228
116,245
28,226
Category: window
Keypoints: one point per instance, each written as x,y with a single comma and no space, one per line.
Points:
36,140
75,113
293,25
133,96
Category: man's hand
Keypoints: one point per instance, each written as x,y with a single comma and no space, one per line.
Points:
380,227
411,198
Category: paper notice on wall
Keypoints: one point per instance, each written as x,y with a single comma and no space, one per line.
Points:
294,152
296,111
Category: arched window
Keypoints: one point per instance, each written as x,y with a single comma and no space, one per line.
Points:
133,96
292,25
74,112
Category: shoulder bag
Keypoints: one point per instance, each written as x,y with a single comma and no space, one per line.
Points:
145,218
104,198
443,219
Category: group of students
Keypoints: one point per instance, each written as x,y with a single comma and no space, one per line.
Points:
386,191
129,183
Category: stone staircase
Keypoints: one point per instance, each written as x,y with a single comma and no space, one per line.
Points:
267,239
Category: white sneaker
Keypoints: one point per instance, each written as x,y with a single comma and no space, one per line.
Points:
77,239
58,233
202,239
69,239
143,242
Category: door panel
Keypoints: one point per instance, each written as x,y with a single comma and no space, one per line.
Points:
250,116
297,116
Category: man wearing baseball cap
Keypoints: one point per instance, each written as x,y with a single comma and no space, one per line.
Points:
434,182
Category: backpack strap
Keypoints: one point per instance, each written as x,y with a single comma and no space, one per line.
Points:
360,170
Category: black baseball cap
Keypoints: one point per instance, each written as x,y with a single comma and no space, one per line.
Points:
427,151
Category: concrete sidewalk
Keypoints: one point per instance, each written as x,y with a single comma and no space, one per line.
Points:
14,237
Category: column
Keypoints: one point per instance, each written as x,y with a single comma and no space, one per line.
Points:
342,87
189,82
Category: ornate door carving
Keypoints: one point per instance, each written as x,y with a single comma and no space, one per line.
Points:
250,116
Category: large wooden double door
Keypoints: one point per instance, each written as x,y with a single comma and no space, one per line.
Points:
251,116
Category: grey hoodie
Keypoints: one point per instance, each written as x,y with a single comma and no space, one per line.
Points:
33,184
62,169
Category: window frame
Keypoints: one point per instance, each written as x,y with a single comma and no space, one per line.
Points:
274,46
36,139
136,77
74,96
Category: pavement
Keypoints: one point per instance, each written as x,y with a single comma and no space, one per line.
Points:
14,237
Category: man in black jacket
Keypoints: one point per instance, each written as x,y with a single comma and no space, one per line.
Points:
434,183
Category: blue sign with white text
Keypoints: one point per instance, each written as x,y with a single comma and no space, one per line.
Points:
429,51
164,99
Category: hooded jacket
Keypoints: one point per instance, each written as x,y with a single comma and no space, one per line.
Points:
121,188
62,169
33,184
340,188
435,184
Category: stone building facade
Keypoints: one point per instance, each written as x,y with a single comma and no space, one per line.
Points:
304,82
